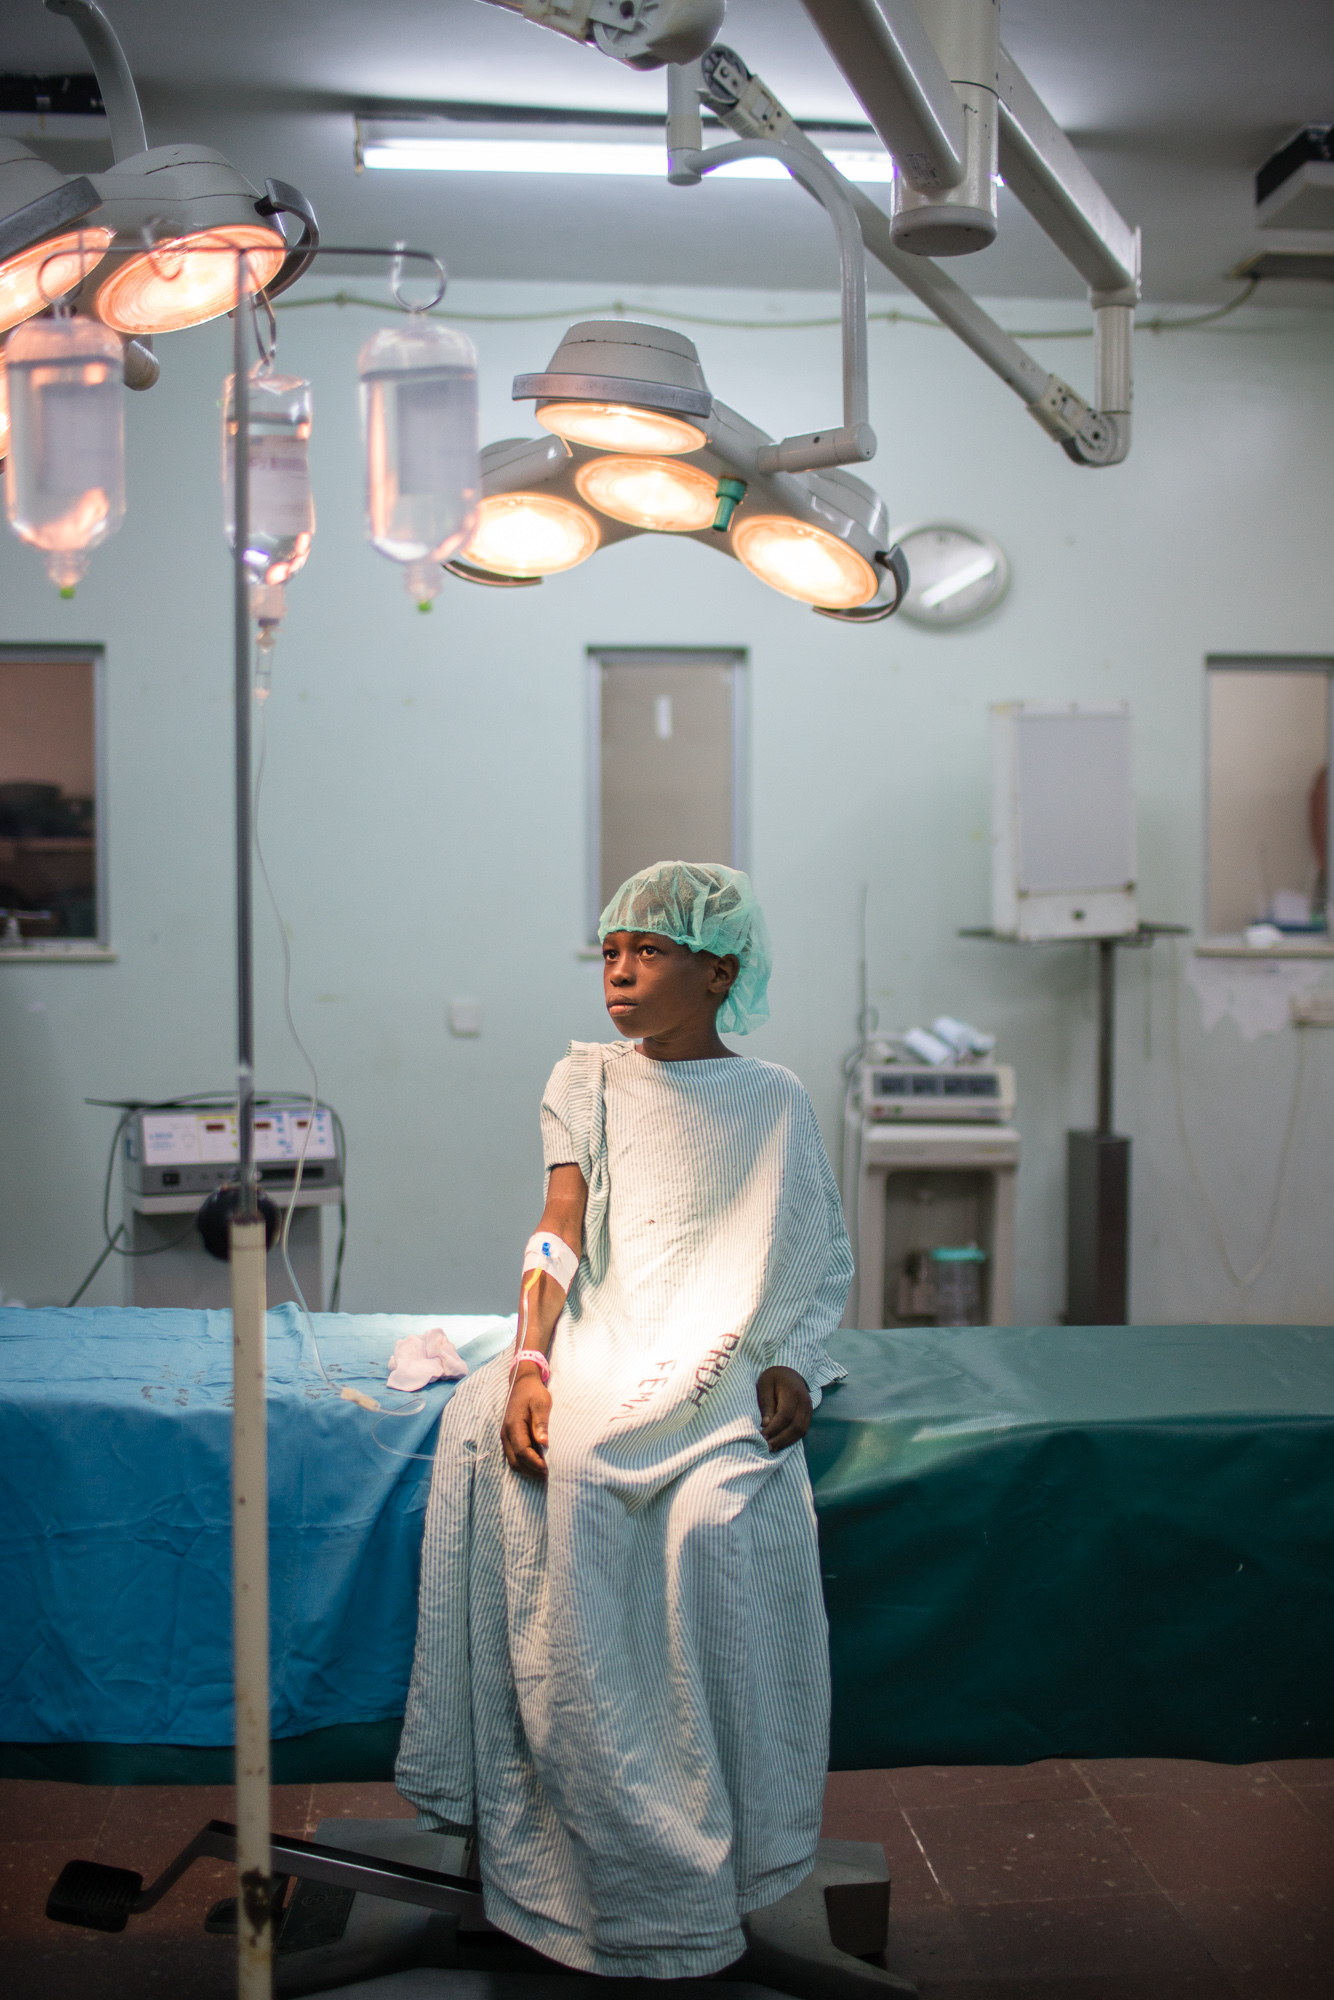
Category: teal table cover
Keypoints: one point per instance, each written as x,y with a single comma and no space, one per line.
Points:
1079,1542
1040,1541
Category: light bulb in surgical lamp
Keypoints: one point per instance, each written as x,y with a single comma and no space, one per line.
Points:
36,278
620,427
419,422
281,510
650,493
186,279
530,534
65,474
803,562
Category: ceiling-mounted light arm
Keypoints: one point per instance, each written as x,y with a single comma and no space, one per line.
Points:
1041,167
643,34
114,81
853,442
892,66
746,105
280,198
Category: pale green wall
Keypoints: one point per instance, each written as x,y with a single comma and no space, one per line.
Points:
424,816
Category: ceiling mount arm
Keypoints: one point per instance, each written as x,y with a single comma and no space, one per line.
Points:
114,80
892,66
1042,168
746,105
853,442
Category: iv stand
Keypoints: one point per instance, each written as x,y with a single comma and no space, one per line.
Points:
249,1245
250,1476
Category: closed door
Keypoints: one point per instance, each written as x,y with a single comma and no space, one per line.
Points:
668,764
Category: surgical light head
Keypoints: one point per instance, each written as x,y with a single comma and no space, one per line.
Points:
640,445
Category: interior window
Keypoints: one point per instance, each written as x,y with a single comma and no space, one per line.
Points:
668,763
50,873
1269,736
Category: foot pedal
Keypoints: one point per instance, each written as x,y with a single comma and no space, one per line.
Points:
93,1895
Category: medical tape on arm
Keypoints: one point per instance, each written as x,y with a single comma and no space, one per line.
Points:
545,1252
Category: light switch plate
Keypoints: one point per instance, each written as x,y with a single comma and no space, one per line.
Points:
465,1017
1312,1010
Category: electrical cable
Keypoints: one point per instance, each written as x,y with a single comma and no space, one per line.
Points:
284,1239
891,317
302,1050
1242,1281
111,1236
120,1231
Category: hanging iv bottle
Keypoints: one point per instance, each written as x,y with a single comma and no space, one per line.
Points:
281,507
65,473
419,422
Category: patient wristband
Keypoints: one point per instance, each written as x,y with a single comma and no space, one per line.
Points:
545,1252
539,1361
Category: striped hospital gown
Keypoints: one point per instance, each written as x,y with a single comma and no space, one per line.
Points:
622,1677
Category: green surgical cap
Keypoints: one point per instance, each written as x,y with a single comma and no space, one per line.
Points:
705,907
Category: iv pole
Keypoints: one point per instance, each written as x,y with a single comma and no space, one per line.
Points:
250,1472
249,1247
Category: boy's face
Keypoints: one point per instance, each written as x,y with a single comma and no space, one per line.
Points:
653,986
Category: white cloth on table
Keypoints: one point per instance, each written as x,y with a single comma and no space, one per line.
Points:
622,1675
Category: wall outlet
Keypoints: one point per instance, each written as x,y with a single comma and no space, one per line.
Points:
1312,1010
465,1017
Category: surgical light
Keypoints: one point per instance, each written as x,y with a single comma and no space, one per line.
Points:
419,419
618,427
530,534
65,474
185,280
618,385
36,278
803,562
650,493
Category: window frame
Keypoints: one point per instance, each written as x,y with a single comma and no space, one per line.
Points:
1269,663
53,951
737,660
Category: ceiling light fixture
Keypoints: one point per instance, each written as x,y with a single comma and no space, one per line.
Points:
165,215
42,253
450,146
653,493
804,562
620,386
528,535
821,535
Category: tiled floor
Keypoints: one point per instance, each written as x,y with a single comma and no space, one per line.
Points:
1109,1880
1052,1881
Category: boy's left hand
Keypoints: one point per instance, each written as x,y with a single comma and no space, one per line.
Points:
785,1407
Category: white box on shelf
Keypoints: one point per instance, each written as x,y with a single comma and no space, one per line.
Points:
1062,822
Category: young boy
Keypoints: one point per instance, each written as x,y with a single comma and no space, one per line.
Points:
622,1675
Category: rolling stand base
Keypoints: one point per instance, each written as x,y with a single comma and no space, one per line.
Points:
382,1911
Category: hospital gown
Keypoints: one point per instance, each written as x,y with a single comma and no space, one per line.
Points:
622,1674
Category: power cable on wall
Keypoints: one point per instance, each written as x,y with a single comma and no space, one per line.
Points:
891,317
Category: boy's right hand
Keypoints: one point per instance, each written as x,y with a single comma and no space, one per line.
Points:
523,1428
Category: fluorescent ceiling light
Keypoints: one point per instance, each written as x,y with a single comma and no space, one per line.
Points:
415,151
